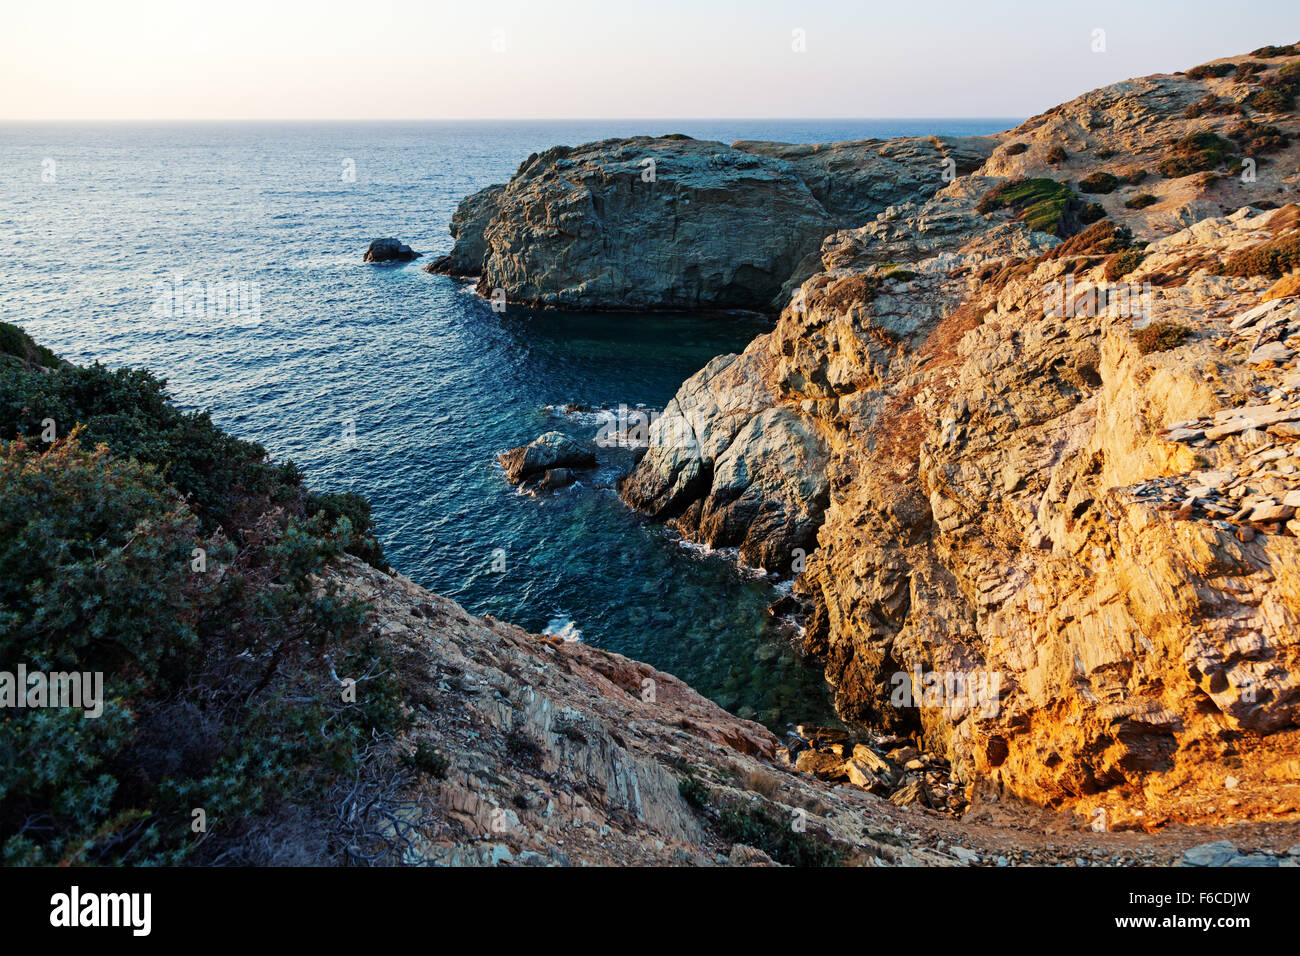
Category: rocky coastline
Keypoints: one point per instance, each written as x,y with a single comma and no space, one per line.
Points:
1027,421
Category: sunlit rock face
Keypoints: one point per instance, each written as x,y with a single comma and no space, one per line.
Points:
1061,469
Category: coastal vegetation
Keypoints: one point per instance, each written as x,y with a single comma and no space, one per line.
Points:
143,543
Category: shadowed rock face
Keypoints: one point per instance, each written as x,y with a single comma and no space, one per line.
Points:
648,223
468,224
1023,492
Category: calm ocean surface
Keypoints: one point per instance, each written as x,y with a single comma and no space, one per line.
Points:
96,221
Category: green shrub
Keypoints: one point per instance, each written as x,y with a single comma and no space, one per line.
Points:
1268,52
777,838
216,693
1098,182
1272,100
1248,68
1256,139
17,344
1160,337
429,759
1141,201
695,793
228,482
1195,153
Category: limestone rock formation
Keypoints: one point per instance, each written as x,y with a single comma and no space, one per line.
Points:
468,224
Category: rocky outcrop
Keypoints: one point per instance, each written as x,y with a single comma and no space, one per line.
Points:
671,222
390,250
548,458
1043,543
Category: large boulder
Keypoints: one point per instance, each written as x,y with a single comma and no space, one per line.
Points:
390,250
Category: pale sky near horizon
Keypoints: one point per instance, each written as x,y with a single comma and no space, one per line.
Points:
572,59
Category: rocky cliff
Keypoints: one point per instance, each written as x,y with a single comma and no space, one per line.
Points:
672,222
1028,444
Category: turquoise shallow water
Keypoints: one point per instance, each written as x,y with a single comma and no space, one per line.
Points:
430,381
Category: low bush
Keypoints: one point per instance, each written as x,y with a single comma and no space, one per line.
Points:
1160,337
1056,155
1248,68
1207,70
1256,139
1098,182
1015,149
1141,201
1122,263
1194,153
756,827
1273,258
197,598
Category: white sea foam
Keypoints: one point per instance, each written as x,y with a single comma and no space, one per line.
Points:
563,627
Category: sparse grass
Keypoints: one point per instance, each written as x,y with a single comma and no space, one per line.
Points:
1160,337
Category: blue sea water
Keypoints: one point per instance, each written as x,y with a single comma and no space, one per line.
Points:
392,382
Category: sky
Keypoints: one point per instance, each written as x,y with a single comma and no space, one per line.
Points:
577,59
